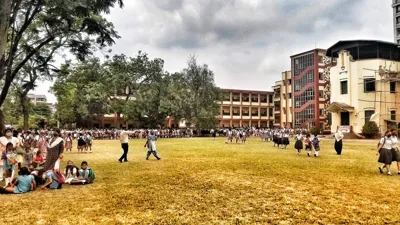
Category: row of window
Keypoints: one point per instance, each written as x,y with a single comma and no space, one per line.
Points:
369,86
245,112
304,116
302,82
246,98
303,62
369,113
307,95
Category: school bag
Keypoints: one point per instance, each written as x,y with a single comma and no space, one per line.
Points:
60,177
91,176
316,142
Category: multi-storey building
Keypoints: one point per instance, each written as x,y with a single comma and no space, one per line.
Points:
283,101
244,108
37,98
307,88
396,20
364,78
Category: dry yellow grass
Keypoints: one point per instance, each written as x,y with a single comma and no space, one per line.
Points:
201,181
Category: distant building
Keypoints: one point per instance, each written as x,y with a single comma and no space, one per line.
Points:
283,101
364,81
396,20
308,89
37,98
245,108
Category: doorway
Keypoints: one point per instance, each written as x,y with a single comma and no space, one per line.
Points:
345,119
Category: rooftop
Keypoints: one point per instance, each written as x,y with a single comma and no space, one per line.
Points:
310,51
366,49
247,91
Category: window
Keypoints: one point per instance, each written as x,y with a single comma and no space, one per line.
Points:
320,59
236,98
264,98
321,94
284,110
343,87
245,97
393,115
270,113
368,114
321,112
236,112
264,112
290,96
392,87
254,112
270,98
289,82
284,96
321,76
245,111
254,98
227,97
369,85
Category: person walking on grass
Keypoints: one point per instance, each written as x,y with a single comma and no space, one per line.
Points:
124,139
395,149
151,146
385,153
298,145
338,142
315,143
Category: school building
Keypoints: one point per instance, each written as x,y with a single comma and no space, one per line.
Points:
246,108
283,101
364,80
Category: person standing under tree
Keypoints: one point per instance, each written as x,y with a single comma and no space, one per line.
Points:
55,152
124,139
338,142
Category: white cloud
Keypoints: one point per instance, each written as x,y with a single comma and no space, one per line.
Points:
247,43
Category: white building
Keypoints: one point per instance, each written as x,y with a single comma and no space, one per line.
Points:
364,79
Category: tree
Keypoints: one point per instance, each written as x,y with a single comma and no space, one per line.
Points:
42,109
30,28
370,129
202,96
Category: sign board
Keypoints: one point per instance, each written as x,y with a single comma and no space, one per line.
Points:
345,129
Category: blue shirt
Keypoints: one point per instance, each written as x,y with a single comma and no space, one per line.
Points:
54,184
24,184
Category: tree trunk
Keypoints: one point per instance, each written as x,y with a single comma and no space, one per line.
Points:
25,111
2,122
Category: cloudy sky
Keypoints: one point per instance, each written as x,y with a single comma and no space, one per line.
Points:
247,43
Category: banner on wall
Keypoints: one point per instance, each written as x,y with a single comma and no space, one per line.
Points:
345,129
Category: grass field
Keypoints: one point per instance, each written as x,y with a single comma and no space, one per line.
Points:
201,181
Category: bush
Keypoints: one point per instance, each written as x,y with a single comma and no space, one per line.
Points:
315,131
370,129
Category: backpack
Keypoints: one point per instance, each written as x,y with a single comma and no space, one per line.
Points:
91,176
316,141
60,177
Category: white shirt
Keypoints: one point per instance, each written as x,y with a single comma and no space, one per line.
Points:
124,137
395,142
386,142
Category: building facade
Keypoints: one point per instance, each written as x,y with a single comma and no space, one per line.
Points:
245,108
308,89
283,101
364,79
37,98
396,20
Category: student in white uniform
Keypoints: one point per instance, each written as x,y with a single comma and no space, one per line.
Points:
395,149
385,152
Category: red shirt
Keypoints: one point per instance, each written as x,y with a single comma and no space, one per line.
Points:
38,159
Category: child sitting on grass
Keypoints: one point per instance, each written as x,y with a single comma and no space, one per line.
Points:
24,183
38,159
70,172
86,175
51,181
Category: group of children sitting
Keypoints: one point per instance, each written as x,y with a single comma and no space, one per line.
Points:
29,179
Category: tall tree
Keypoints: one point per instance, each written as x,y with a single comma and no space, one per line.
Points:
203,97
29,26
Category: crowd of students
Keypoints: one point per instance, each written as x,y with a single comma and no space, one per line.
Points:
37,159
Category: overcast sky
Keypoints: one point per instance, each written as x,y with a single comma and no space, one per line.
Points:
247,43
